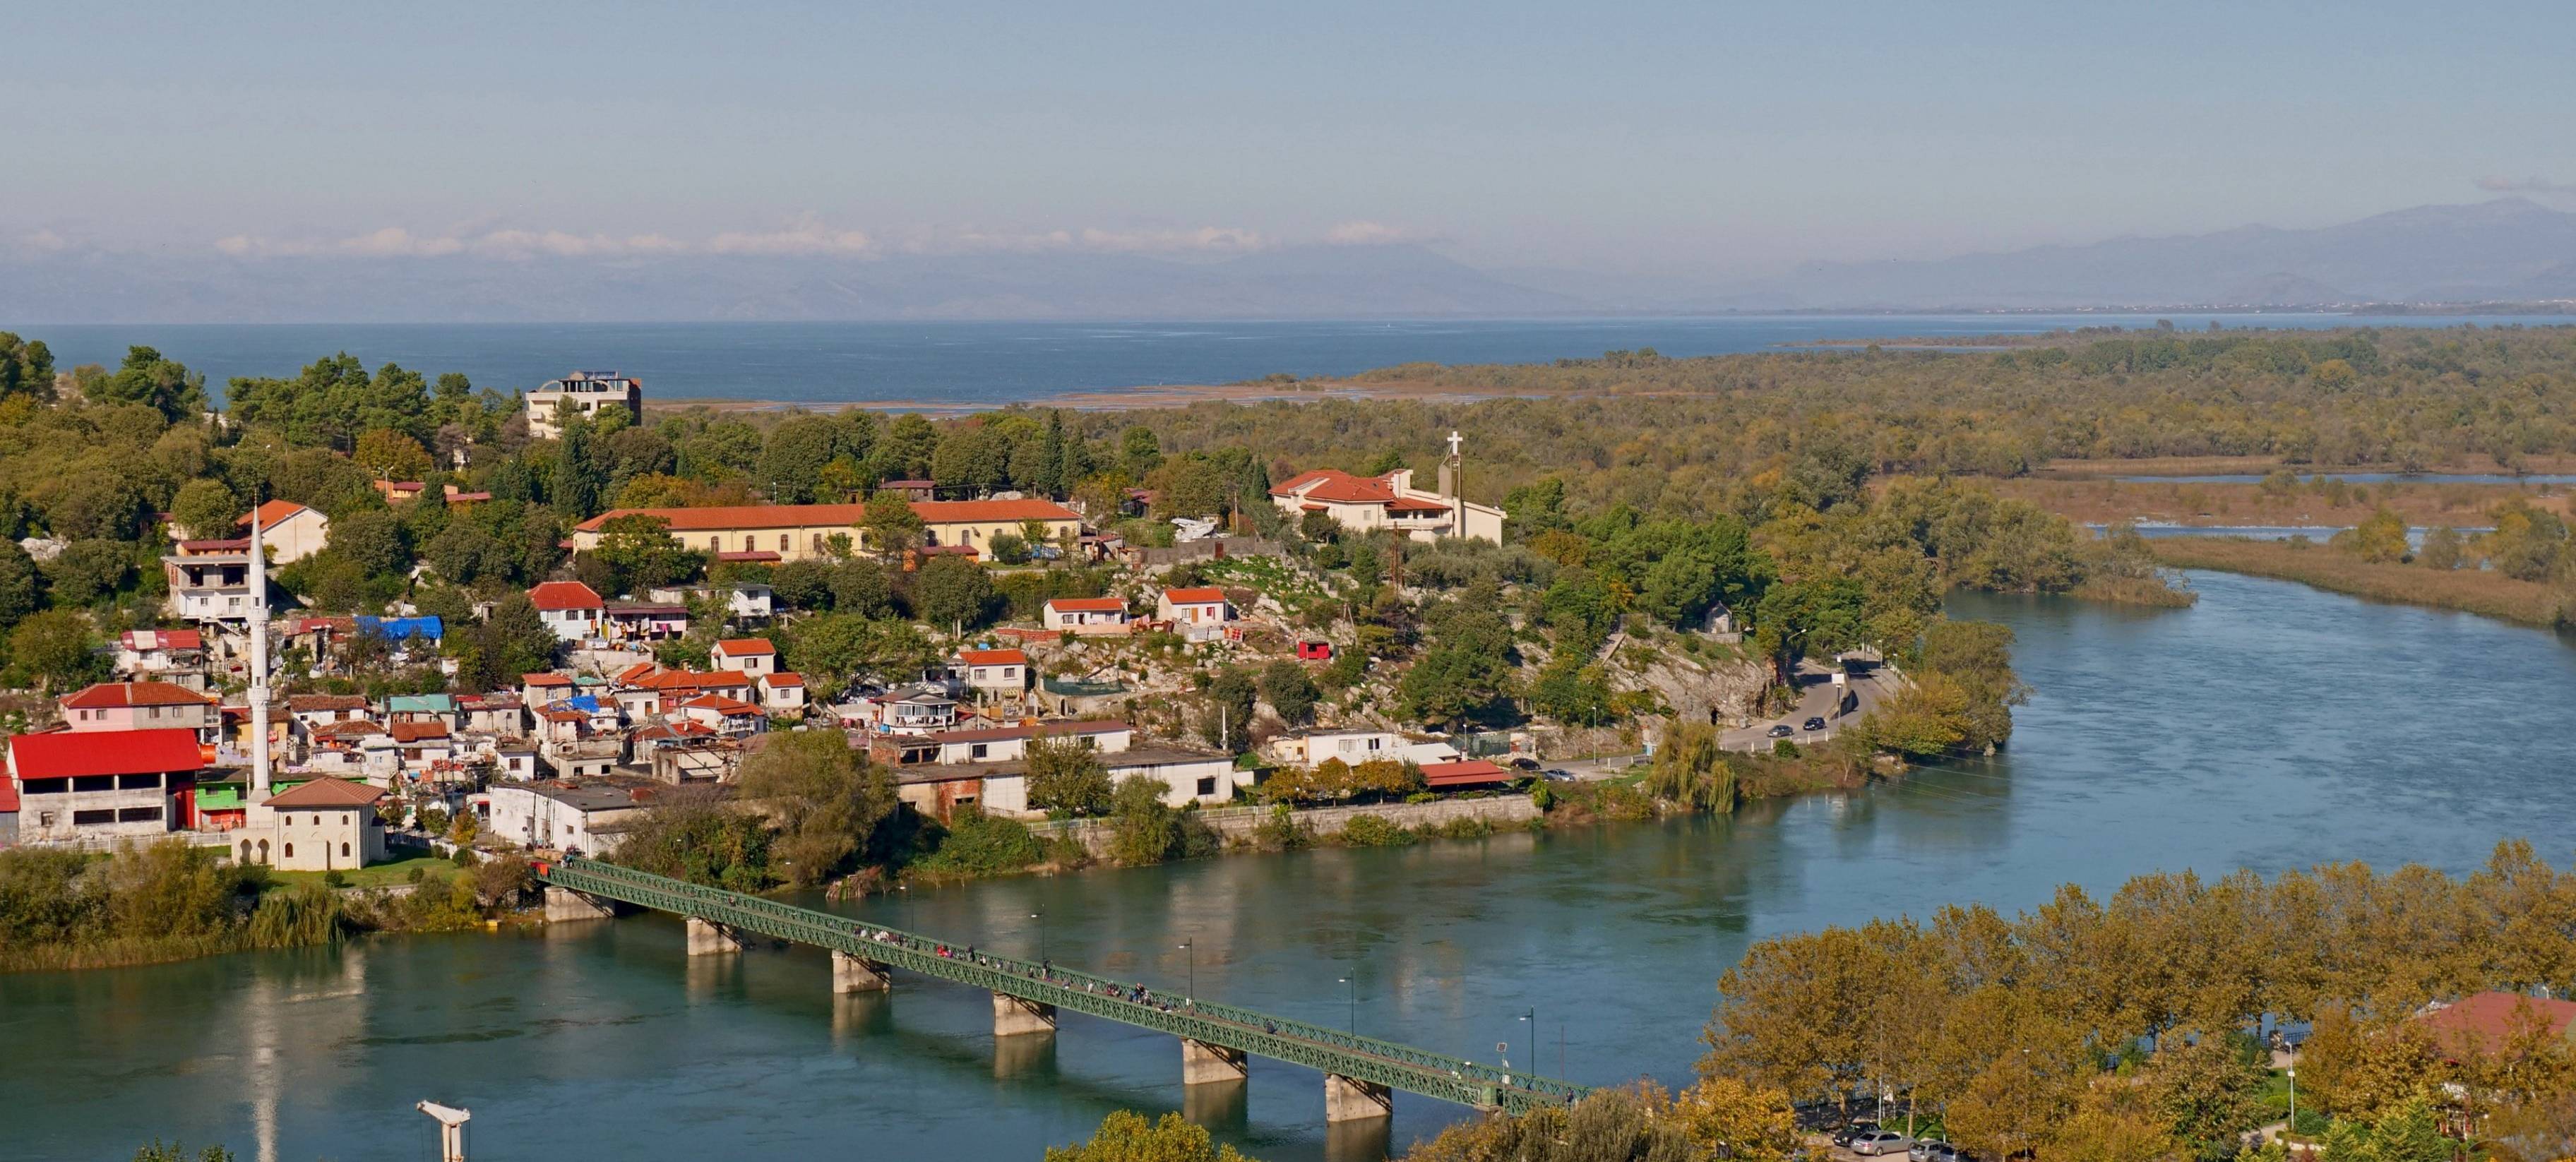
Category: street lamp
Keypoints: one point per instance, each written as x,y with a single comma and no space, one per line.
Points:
2291,1129
1355,1003
1040,917
1191,946
1531,1019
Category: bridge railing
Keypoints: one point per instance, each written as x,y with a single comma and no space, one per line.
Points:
1333,1050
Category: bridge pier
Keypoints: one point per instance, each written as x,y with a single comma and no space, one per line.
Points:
708,938
1013,1017
1349,1099
564,904
1202,1063
851,974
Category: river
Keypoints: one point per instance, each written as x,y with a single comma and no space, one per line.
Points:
2271,726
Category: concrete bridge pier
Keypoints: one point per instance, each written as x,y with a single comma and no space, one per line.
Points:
851,974
708,938
1348,1099
564,904
1013,1017
1203,1064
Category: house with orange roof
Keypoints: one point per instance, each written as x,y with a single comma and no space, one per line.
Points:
573,610
752,656
177,656
727,716
141,706
1086,616
782,692
797,532
997,672
288,531
1198,605
1368,503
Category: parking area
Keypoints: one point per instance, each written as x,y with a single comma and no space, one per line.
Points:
1869,683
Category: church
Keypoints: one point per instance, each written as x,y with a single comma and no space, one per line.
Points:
1368,503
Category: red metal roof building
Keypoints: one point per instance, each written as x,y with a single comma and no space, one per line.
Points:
105,783
1461,776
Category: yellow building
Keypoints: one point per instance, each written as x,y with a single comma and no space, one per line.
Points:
794,532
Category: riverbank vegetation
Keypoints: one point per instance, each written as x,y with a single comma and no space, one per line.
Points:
2117,1028
2521,568
170,901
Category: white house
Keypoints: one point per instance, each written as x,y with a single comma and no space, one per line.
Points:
1353,747
589,817
1368,503
570,608
1202,605
744,655
1186,775
1087,616
288,531
583,393
324,825
177,656
744,600
782,693
1001,673
998,744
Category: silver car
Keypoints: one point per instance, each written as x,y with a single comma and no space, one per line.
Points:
1932,1150
1881,1144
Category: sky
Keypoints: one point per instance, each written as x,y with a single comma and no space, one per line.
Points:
1707,138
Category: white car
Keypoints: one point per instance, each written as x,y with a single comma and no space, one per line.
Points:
1881,1144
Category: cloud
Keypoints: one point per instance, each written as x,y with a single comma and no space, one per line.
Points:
1090,239
558,244
1365,234
44,240
803,236
2532,185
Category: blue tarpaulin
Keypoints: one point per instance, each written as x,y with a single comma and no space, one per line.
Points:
403,628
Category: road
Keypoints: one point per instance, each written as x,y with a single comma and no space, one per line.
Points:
1871,683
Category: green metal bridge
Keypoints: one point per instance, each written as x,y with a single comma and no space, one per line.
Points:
1225,1031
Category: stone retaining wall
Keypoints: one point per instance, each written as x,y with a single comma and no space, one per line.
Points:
1499,811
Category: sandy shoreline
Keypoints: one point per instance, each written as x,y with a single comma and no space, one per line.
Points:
1113,399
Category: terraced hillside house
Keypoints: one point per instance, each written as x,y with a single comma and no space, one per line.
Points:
798,532
142,706
573,610
1368,503
1087,616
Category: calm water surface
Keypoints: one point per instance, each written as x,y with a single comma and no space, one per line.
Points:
2270,727
990,364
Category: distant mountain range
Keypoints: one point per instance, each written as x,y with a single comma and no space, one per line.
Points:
2509,250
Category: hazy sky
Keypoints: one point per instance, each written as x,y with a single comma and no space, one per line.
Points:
1688,137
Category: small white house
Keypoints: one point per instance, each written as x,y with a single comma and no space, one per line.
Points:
1087,616
753,656
1001,673
587,817
1354,747
1202,605
573,610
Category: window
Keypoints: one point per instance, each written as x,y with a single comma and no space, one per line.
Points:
344,849
138,782
978,750
290,851
782,542
93,818
152,712
44,819
44,786
94,783
139,815
1207,786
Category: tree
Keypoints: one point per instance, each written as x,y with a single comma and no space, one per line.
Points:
155,381
909,444
833,649
579,480
1728,1118
826,796
1128,1137
1139,452
861,587
98,504
804,584
2208,1090
695,837
952,591
639,550
177,1152
1691,769
57,650
465,554
26,369
1064,775
390,455
1228,724
2379,539
797,450
1290,690
20,594
86,571
2441,549
205,509
1454,683
518,640
1143,829
373,541
890,524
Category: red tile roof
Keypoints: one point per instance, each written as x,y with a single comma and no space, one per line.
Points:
1471,773
2483,1022
105,752
1208,595
270,514
750,556
316,703
545,679
935,512
717,518
1336,485
416,731
162,639
1416,504
720,704
352,728
115,695
782,678
993,657
746,647
327,792
1088,604
555,596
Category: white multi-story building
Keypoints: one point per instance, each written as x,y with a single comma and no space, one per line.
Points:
582,393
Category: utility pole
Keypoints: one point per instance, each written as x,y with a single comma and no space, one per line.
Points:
451,1129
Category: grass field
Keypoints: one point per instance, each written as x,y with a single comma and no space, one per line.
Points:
374,875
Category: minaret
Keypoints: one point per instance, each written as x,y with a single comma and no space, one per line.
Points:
258,666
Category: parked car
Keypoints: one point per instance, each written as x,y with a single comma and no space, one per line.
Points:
1852,1132
1815,724
1555,775
1880,1143
1941,1152
1921,1150
1782,731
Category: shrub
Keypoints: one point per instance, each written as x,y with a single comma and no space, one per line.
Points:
1374,831
979,844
